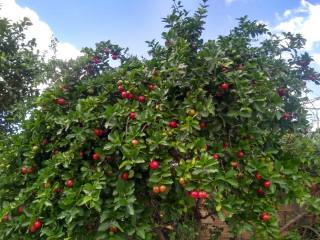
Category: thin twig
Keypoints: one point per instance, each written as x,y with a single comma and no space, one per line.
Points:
292,221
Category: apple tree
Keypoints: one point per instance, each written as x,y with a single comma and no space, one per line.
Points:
148,149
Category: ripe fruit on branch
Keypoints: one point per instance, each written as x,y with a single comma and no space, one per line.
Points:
29,170
60,101
258,176
265,217
98,132
114,56
235,164
130,95
141,99
36,225
135,142
195,194
225,145
203,194
260,192
240,154
69,183
95,156
286,116
125,176
216,156
172,124
132,115
267,184
120,88
24,170
224,86
156,189
20,210
152,87
202,124
281,91
81,154
154,164
124,94
162,188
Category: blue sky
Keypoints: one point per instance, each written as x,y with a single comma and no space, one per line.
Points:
131,23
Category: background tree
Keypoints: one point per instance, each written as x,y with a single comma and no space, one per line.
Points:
150,148
20,70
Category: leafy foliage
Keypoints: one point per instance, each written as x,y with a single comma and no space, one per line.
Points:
20,69
147,149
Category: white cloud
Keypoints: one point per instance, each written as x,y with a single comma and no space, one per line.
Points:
305,20
39,30
229,1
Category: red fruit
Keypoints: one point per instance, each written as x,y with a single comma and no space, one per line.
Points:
95,156
124,94
33,229
114,56
130,95
141,99
61,101
240,154
132,115
20,210
225,145
224,86
195,194
281,91
218,95
98,132
206,147
152,87
203,194
172,124
45,141
156,189
234,164
69,183
286,116
216,156
267,184
154,164
120,88
125,176
265,217
24,170
5,217
258,176
260,192
202,124
81,154
37,224
30,170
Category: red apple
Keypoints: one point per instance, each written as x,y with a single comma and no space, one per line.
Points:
265,217
132,115
203,194
24,170
124,94
154,164
95,156
286,116
225,145
195,194
281,91
240,154
60,101
120,88
258,176
130,96
267,184
141,99
37,224
260,192
125,176
81,154
156,189
152,87
172,124
69,183
202,124
216,156
114,56
30,170
20,210
224,86
98,132
5,217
